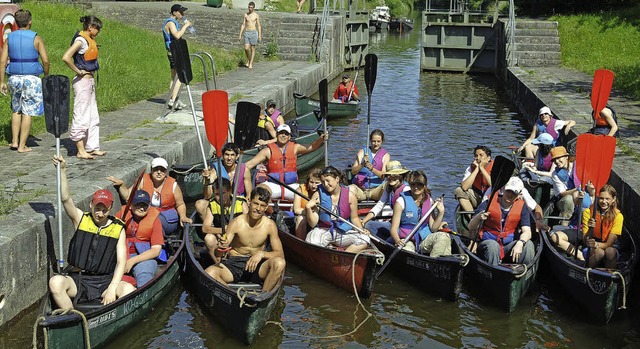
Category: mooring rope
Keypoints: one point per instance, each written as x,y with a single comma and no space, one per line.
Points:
242,296
591,286
85,327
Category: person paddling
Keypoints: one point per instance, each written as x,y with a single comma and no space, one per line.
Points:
346,91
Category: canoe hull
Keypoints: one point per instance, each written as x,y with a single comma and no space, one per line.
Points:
306,105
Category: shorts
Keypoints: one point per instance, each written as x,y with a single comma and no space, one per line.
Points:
236,265
172,61
470,194
26,94
251,37
90,287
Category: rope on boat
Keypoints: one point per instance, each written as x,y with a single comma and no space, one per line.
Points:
624,290
85,327
242,296
591,286
517,276
464,258
186,172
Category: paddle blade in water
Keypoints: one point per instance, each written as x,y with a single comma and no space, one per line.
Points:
601,89
324,98
55,92
215,108
370,71
247,116
594,158
180,52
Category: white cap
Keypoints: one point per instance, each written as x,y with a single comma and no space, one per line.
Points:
284,127
514,184
159,162
545,110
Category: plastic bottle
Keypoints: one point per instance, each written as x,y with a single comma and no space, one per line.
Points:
192,29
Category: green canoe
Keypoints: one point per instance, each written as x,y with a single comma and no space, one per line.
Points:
189,177
67,330
306,104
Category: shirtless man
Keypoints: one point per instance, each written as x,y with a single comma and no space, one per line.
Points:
252,36
248,234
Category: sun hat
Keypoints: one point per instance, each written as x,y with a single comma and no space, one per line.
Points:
515,185
545,110
141,197
394,167
558,152
159,162
102,196
543,138
284,127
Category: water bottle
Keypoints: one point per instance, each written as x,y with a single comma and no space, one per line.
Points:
192,29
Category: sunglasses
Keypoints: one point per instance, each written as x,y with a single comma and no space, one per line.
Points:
417,185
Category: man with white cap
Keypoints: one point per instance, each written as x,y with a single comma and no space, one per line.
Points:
281,158
546,123
504,230
97,251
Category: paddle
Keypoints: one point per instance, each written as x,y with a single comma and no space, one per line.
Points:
249,114
600,90
594,159
132,193
360,230
215,109
353,85
55,92
324,106
411,234
370,72
501,171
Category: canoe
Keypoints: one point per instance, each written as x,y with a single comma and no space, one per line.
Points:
105,322
189,177
441,276
241,308
332,265
306,105
599,291
504,284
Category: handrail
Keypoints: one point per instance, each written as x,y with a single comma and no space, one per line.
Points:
198,55
323,30
213,69
512,57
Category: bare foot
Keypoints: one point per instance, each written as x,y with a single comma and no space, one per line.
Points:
13,146
85,156
24,150
97,152
250,67
246,65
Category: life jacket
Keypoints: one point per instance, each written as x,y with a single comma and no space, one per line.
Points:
167,200
93,248
305,191
600,124
569,178
89,60
492,229
23,56
261,131
601,231
411,216
480,184
168,38
543,163
283,164
214,206
343,90
550,129
365,178
274,118
326,220
223,172
396,194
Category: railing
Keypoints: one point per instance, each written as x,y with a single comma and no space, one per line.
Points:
323,30
512,56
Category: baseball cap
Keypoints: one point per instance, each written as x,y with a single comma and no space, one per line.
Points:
102,196
178,7
545,110
141,197
345,76
515,185
543,138
284,127
271,102
159,162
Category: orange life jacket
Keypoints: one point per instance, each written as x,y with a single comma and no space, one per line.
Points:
492,228
601,230
283,165
145,227
480,183
89,60
167,200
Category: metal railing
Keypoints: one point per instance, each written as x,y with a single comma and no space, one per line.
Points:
511,54
199,55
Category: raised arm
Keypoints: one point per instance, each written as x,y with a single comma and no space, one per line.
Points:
173,30
74,213
312,210
435,221
262,156
301,149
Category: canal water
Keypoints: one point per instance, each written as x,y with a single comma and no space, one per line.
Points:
431,122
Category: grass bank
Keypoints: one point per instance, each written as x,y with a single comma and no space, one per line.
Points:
604,40
132,67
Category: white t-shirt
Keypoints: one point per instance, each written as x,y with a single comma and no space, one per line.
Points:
85,45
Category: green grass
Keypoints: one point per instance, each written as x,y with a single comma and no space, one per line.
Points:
604,40
132,67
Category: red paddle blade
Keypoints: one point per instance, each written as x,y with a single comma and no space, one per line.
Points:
215,108
134,187
601,89
594,158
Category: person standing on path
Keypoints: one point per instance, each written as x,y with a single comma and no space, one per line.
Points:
252,33
82,58
22,49
172,31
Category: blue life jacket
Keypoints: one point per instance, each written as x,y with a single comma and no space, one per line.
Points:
23,56
411,216
168,38
344,210
365,178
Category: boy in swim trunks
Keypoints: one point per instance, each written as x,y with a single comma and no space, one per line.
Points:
252,33
248,235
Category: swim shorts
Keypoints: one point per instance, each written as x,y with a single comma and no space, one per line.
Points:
251,37
236,265
26,94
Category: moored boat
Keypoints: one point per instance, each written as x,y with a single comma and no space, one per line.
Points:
441,276
401,24
242,308
379,18
306,105
69,329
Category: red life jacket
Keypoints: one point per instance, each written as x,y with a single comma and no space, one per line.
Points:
283,165
144,229
601,230
480,183
492,228
167,200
